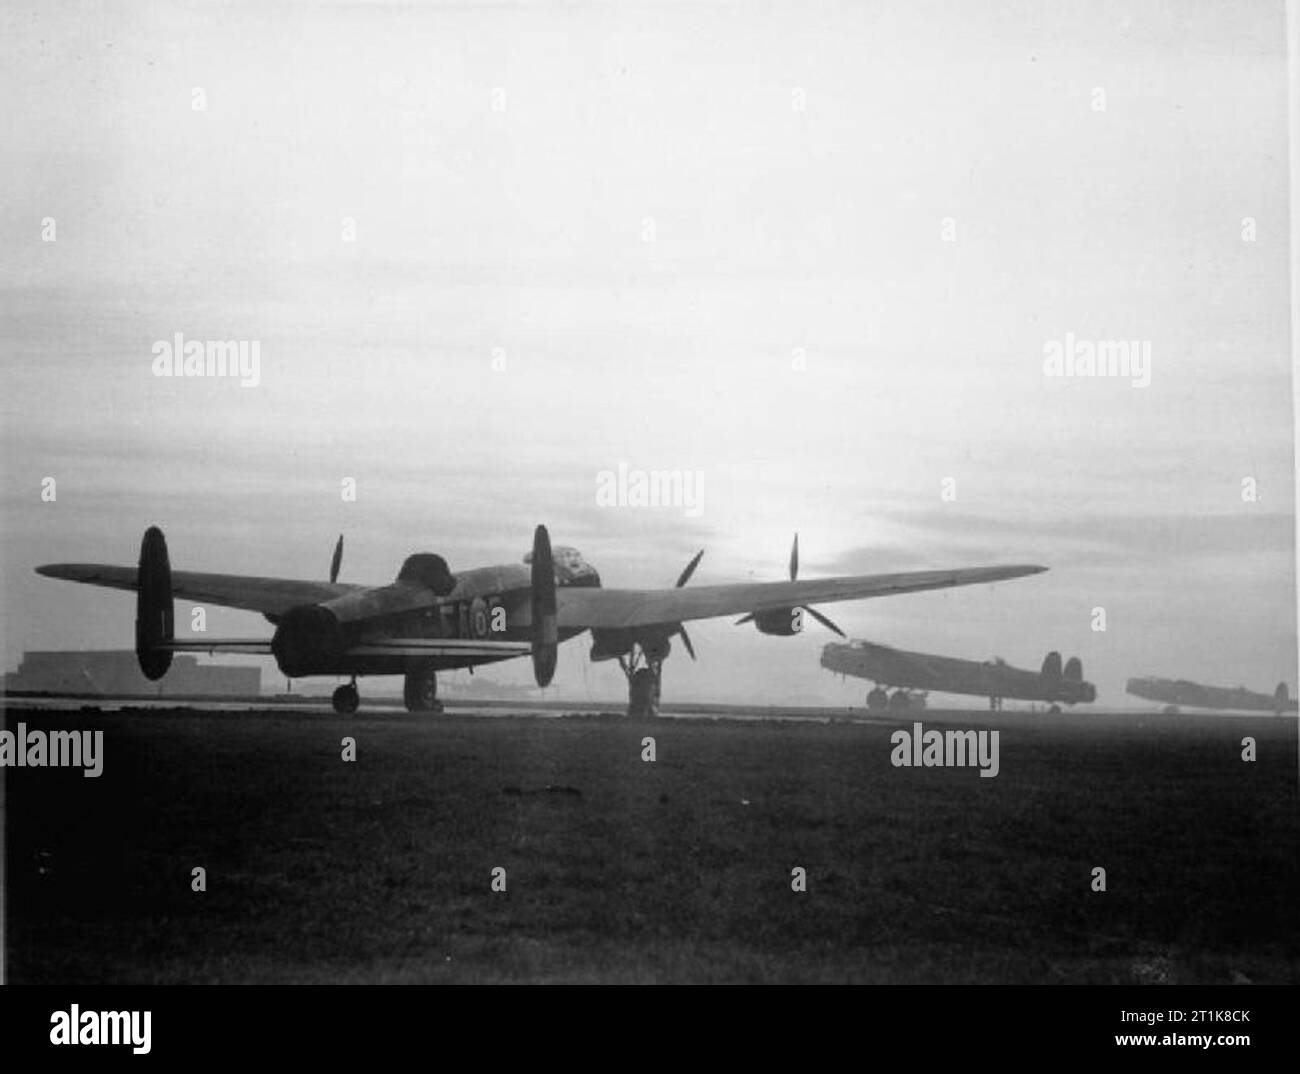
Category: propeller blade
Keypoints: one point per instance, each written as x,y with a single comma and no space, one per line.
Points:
337,561
686,640
794,558
825,622
690,569
744,619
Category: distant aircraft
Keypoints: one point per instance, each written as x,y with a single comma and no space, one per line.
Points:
430,620
1175,692
993,679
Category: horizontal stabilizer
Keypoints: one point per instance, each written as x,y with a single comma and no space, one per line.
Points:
254,646
380,647
439,647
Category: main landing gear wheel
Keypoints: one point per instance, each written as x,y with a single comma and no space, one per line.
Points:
643,693
346,699
643,671
1055,710
878,700
420,692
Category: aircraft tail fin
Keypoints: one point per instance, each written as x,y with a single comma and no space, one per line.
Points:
154,609
1052,665
1074,669
545,631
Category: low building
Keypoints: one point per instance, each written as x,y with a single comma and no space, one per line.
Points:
115,673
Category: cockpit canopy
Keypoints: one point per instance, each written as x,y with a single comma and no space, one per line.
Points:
570,567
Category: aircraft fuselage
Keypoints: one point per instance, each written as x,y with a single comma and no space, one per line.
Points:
485,604
923,671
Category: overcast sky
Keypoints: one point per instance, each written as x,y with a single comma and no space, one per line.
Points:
813,252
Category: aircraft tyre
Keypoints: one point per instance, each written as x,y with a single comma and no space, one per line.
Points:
643,693
420,692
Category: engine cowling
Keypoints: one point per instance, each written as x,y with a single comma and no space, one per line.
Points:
781,622
610,644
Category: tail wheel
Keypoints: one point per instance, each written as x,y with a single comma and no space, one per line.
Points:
346,700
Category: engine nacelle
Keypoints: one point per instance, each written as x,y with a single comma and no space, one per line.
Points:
610,644
657,648
781,622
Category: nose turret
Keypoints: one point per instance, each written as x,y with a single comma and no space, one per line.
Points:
570,567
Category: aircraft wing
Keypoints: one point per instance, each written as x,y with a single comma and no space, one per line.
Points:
273,596
583,608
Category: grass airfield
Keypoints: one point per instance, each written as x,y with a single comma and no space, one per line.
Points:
619,870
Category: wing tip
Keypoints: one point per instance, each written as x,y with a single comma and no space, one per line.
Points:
81,572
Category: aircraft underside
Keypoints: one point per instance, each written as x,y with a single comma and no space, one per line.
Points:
420,678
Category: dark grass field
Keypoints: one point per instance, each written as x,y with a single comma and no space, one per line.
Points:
678,871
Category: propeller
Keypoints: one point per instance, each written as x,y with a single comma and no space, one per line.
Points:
682,579
794,576
825,622
337,561
685,576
